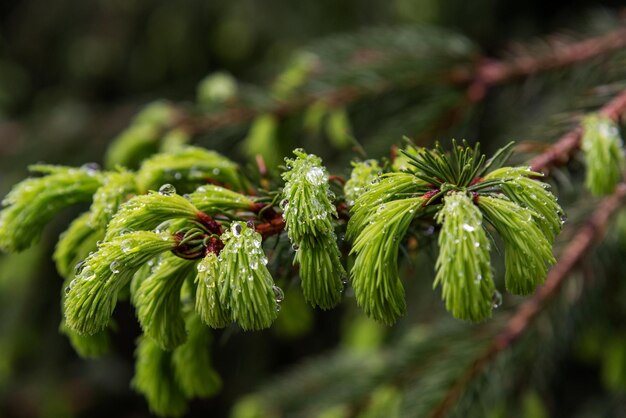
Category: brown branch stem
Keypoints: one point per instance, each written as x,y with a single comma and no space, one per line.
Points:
519,322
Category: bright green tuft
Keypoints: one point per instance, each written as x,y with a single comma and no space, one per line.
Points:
308,214
208,305
362,175
158,301
307,209
321,271
187,168
602,146
215,199
375,279
117,187
92,295
32,203
518,186
75,244
146,212
527,251
463,265
247,287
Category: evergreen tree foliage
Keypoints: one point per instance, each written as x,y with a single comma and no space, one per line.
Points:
243,215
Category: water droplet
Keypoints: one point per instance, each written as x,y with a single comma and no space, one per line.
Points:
429,230
468,227
201,267
264,260
563,218
90,168
277,307
125,231
216,171
79,267
278,294
331,196
88,274
283,203
250,224
295,247
114,266
496,299
236,229
67,289
315,176
344,280
167,190
127,245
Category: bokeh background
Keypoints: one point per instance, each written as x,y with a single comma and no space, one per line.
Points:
73,74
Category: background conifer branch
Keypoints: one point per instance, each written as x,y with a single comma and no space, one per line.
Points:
568,144
485,74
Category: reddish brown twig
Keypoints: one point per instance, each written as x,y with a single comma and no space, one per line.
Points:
492,72
564,148
519,322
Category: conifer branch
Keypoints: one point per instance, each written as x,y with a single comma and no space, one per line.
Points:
564,148
518,323
491,73
486,74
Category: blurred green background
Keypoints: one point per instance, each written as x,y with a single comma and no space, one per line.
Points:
72,75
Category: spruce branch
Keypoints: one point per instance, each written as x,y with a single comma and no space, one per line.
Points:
518,323
477,79
459,188
562,150
31,204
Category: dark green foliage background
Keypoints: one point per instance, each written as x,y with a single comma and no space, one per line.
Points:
73,73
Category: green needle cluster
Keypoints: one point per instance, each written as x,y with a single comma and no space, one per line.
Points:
464,193
183,240
602,146
308,214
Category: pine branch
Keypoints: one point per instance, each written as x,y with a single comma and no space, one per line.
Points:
561,152
519,322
